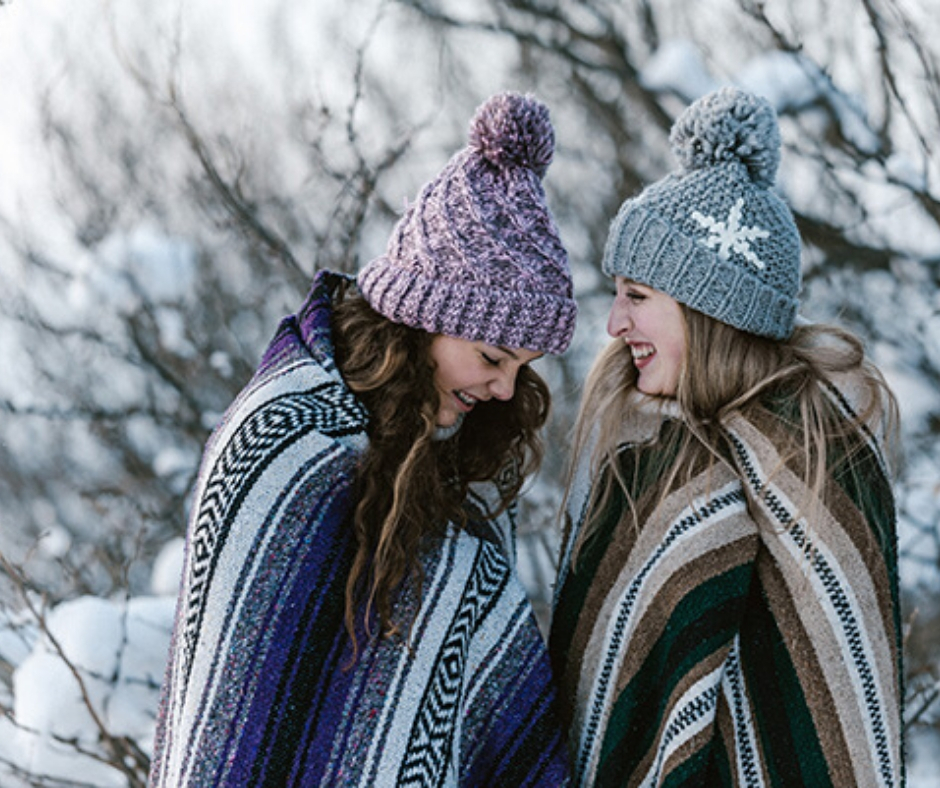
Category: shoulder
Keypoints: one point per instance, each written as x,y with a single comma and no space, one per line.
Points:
293,391
863,395
293,417
639,422
851,380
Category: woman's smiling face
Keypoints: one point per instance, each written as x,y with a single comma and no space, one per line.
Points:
652,325
468,372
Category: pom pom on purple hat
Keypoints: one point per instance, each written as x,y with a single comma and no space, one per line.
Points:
513,130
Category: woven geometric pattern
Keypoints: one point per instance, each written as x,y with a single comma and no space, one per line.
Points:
263,687
745,633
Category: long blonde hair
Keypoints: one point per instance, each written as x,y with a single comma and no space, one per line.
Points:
725,371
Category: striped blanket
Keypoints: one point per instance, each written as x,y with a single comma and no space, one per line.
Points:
262,688
734,638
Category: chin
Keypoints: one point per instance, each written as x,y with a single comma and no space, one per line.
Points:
657,391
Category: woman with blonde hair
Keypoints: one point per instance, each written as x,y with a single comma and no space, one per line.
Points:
726,612
350,613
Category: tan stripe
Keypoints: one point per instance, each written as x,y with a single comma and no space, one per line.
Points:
726,543
579,659
624,559
869,561
860,562
817,693
821,654
686,570
688,750
849,532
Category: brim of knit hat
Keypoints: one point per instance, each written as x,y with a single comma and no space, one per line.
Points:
536,321
644,248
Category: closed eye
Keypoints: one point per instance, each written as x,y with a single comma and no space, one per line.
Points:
493,362
628,290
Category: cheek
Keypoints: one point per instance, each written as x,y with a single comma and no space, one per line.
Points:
443,380
675,344
456,375
444,370
675,369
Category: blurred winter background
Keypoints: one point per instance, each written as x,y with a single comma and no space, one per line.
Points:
171,175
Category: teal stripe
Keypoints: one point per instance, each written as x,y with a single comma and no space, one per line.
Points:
704,623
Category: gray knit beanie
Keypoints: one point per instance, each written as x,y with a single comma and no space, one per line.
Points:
478,255
713,235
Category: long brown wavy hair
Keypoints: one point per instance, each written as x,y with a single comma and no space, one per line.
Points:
410,487
727,370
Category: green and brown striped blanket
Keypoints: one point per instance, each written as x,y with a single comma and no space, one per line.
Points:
738,637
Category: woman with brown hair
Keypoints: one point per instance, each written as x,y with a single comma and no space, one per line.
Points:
726,611
350,613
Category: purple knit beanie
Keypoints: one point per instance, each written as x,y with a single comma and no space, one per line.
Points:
478,255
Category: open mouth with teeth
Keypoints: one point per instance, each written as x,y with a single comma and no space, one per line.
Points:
467,400
641,352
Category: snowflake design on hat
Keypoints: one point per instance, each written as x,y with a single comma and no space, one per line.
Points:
730,235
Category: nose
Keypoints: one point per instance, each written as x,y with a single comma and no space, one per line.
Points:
619,321
503,386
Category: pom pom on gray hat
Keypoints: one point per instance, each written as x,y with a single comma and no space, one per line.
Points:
478,254
713,234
